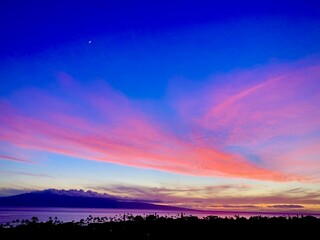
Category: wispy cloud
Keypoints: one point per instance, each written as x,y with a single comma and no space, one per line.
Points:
10,158
252,110
236,206
13,191
207,197
157,193
218,197
30,174
286,206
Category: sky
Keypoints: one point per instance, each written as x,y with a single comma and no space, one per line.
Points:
195,104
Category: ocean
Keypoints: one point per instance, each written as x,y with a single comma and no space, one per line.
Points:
9,214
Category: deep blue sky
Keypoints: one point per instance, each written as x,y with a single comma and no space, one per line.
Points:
28,27
154,40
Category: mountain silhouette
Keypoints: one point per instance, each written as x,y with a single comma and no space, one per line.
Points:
78,199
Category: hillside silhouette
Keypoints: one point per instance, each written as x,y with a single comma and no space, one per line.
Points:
156,227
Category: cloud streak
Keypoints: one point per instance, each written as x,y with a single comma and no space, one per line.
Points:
4,192
27,174
10,158
250,111
236,196
286,206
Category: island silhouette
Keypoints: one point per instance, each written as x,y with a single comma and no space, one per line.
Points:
79,199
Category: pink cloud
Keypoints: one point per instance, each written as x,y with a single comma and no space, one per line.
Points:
128,146
101,124
277,106
273,107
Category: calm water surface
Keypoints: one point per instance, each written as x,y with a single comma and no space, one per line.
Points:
9,214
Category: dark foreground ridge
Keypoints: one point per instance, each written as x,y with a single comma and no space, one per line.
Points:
156,227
